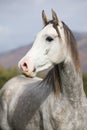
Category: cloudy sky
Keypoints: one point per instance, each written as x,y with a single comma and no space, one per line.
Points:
20,20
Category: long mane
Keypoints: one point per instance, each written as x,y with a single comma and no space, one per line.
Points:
53,78
72,46
54,74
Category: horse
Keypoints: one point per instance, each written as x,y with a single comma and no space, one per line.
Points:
57,102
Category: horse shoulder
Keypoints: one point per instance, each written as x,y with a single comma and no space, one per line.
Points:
70,117
58,113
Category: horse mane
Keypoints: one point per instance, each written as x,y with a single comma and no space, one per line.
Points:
53,77
72,46
71,43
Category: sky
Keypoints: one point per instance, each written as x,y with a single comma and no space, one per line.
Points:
21,20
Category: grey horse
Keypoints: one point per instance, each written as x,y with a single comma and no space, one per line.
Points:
58,101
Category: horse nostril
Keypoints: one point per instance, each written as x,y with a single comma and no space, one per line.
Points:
34,69
24,66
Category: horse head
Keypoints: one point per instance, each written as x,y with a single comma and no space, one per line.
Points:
49,47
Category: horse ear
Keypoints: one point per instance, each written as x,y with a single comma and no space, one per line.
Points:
55,18
45,20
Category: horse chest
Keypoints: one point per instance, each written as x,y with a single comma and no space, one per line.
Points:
69,119
62,116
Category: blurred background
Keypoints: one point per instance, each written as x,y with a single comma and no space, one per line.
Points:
20,20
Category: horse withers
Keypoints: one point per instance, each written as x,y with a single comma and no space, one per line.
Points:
58,101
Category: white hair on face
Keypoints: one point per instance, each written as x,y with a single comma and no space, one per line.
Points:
49,47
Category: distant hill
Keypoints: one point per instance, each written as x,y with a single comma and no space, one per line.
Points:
11,58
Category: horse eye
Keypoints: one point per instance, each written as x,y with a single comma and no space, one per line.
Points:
49,39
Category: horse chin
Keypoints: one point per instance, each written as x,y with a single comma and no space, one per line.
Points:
44,69
28,74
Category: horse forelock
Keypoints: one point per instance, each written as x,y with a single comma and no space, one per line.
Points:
55,26
72,46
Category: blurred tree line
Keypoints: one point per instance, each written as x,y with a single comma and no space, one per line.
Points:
6,74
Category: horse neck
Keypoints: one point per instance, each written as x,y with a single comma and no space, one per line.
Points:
70,72
64,80
72,84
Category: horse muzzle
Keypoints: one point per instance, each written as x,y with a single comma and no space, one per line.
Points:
27,69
